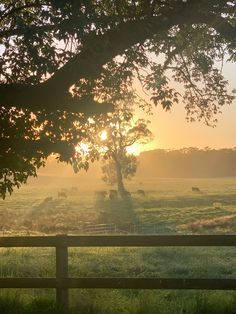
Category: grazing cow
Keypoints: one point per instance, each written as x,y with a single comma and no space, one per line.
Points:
127,194
47,199
195,189
62,194
101,195
113,194
141,192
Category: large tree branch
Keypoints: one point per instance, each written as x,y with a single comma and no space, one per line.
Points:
42,146
66,24
49,98
97,50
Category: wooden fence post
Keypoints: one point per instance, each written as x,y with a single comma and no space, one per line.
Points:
62,293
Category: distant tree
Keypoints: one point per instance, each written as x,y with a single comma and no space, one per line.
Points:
61,61
120,132
128,164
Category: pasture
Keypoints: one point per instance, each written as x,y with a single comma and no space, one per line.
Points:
168,207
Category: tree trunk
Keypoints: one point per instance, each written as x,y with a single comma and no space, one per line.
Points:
119,176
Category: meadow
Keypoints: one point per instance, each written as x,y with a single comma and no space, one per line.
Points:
169,206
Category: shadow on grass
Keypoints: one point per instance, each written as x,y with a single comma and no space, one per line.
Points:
118,211
12,305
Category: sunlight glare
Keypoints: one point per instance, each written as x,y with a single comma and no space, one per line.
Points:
82,148
103,135
133,150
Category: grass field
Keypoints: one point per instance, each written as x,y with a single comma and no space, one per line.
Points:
168,207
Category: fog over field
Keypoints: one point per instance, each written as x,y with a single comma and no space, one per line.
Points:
185,163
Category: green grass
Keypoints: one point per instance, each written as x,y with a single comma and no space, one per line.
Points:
125,302
24,302
169,207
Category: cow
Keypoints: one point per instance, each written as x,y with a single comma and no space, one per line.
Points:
113,194
101,195
141,192
62,194
47,199
195,189
127,194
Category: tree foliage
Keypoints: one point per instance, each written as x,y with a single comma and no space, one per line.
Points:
62,61
121,132
128,163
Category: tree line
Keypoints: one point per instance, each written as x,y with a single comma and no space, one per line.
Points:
188,162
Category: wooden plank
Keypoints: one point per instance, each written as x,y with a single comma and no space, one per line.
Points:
151,283
62,293
28,283
29,241
119,241
151,240
120,283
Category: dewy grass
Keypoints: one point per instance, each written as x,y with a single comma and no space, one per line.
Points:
146,262
171,208
126,301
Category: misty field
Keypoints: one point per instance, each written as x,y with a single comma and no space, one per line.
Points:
167,207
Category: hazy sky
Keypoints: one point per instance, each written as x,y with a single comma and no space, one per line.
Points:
171,129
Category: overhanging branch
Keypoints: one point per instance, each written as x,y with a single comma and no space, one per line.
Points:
97,50
26,147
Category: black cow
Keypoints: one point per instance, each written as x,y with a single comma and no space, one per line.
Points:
62,194
101,195
113,194
141,192
195,189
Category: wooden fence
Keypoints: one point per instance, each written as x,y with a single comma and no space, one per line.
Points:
62,282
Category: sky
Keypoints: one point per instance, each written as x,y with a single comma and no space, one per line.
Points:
172,131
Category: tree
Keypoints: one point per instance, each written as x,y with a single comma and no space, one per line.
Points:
119,133
128,165
64,60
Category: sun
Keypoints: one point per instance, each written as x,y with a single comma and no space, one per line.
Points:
103,135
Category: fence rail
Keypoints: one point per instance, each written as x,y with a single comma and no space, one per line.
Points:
62,282
118,241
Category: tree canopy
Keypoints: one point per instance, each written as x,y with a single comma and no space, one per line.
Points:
120,132
62,61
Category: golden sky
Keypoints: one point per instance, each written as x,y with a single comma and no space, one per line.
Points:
171,130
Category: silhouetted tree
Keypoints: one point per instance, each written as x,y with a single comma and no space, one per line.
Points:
121,132
115,170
